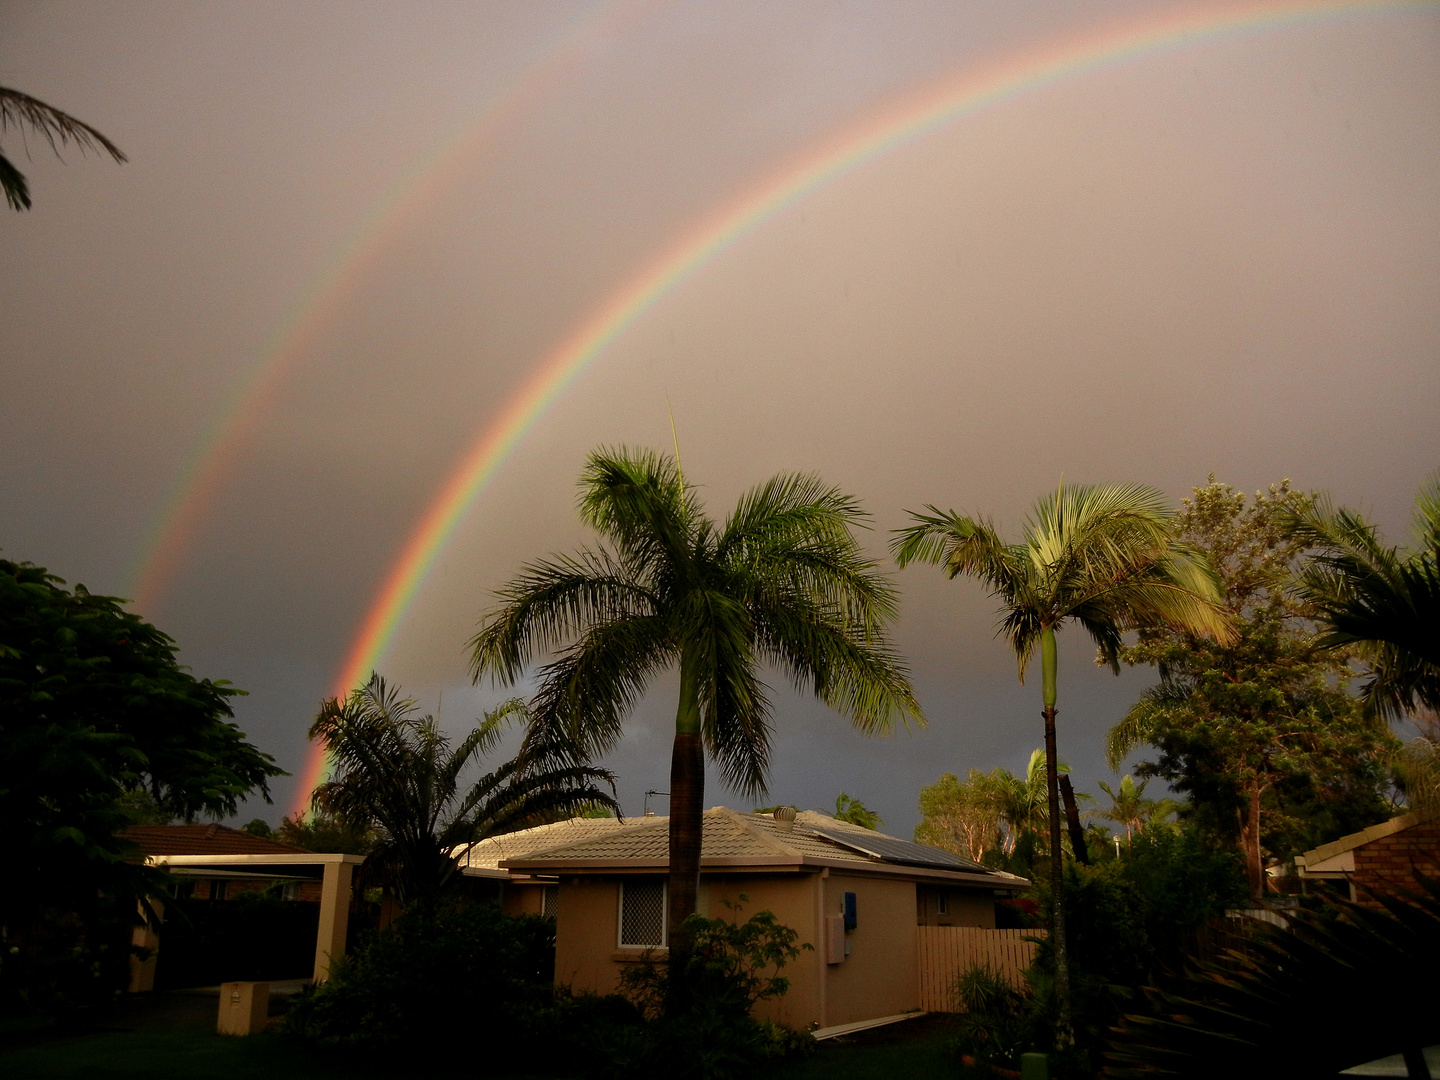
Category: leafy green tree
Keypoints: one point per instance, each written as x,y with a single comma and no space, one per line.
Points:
57,128
100,728
986,811
782,582
1381,602
1259,731
322,831
397,773
1100,556
856,813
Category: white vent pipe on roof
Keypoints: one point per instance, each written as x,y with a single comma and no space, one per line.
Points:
784,818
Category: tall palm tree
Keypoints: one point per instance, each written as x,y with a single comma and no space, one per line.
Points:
1101,556
398,772
1383,600
57,128
782,582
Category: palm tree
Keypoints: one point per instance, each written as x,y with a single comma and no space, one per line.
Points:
398,773
1102,556
781,582
1383,600
58,129
856,813
1130,808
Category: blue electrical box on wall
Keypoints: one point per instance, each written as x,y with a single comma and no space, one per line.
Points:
850,911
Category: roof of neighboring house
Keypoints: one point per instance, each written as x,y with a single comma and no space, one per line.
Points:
733,839
203,840
1327,857
482,859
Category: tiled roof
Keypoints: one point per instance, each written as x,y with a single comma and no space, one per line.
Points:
725,834
203,840
728,837
486,855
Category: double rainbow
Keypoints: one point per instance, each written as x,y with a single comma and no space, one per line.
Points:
869,137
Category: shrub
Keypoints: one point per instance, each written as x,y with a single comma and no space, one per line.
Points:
466,974
998,1021
699,1021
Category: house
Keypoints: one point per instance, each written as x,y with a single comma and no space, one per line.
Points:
854,895
519,892
1381,859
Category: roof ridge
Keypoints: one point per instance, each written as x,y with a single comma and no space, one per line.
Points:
766,838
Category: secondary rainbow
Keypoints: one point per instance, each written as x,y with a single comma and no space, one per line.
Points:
865,139
361,248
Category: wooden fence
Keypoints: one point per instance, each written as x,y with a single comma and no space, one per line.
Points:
946,951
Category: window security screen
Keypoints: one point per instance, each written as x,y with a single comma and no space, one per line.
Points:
550,901
642,913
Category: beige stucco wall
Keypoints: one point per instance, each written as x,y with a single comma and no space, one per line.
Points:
522,898
588,957
880,977
964,908
792,897
586,931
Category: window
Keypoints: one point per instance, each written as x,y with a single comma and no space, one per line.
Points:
942,903
290,890
218,889
550,901
642,913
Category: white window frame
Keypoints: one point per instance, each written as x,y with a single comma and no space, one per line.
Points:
620,942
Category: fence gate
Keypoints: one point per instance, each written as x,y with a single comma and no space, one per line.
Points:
946,951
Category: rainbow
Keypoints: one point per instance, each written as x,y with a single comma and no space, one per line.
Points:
361,248
865,139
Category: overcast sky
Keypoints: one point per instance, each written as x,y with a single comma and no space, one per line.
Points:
1218,257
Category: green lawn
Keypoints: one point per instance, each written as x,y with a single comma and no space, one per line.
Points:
913,1050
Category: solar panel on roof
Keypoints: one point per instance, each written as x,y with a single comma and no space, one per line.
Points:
902,852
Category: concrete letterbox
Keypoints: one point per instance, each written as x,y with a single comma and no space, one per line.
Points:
244,1007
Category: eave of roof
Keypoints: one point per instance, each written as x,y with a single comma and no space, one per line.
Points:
1325,852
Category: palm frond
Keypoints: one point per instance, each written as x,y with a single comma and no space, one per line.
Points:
588,689
549,603
1153,711
398,772
1384,601
59,129
963,545
1296,1001
787,510
636,499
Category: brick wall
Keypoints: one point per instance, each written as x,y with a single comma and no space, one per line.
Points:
1389,863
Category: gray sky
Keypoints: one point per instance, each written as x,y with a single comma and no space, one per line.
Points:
1222,257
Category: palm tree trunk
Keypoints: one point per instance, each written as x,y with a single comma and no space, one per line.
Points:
687,795
1064,1037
